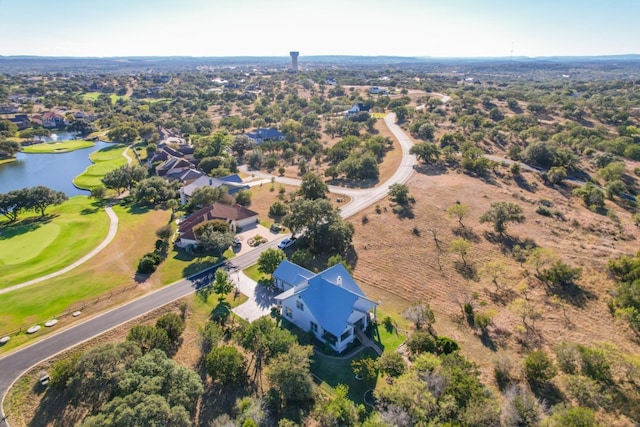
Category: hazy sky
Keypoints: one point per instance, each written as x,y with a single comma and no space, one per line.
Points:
439,28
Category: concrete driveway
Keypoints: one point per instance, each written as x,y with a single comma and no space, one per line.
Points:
252,231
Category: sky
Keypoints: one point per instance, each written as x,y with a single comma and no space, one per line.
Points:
434,28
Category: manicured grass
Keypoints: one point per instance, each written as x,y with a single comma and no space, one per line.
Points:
332,371
58,147
36,246
92,96
113,270
9,160
104,161
253,273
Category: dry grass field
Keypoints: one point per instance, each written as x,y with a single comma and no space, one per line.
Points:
400,278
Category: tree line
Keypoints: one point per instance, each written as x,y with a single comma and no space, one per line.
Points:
36,199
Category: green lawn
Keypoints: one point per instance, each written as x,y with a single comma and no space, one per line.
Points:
331,372
39,302
58,147
33,247
92,96
179,264
105,160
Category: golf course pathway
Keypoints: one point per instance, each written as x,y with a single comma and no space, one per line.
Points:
113,228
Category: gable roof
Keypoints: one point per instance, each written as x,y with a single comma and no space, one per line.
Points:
291,273
172,163
265,134
221,211
331,296
232,182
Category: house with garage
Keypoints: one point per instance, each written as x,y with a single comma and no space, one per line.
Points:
236,216
232,182
329,304
260,135
173,167
51,119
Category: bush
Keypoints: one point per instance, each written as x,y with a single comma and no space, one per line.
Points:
539,368
445,345
149,262
421,342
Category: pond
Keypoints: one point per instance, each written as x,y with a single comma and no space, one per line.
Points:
55,171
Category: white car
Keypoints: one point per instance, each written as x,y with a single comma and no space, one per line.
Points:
290,241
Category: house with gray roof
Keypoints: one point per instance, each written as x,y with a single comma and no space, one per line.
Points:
260,135
329,304
232,182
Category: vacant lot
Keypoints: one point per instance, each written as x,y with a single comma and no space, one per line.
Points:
421,272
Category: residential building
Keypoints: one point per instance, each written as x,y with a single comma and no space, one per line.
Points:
236,216
232,182
260,135
329,304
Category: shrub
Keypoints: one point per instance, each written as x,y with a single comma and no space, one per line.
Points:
445,345
421,342
391,363
148,263
539,368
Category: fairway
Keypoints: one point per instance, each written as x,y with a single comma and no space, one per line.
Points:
104,161
33,247
22,244
58,147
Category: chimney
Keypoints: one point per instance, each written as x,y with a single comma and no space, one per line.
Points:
339,281
210,181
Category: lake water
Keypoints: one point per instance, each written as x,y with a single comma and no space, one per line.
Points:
55,171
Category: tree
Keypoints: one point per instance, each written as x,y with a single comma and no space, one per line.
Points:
324,229
243,197
207,195
427,152
420,315
502,213
270,259
560,274
339,410
290,375
538,367
461,247
98,192
399,193
460,211
39,198
154,191
521,408
123,134
9,148
214,235
173,324
592,196
12,203
149,338
124,177
81,126
313,187
227,365
7,128
222,283
391,363
556,175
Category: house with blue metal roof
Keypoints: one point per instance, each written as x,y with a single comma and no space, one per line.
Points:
330,304
260,135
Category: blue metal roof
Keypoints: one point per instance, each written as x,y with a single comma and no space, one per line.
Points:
331,305
292,273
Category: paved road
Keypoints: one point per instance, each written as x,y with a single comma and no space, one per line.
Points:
13,365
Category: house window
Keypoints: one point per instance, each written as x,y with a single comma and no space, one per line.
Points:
314,327
288,312
299,305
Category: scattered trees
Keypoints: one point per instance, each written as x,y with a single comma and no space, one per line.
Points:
37,199
502,213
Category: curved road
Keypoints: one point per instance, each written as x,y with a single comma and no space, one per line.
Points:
13,365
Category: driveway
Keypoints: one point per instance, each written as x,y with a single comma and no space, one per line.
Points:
250,232
260,301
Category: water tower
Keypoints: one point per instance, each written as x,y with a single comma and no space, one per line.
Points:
294,60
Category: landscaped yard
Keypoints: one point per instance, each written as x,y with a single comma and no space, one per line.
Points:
58,147
33,247
105,160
